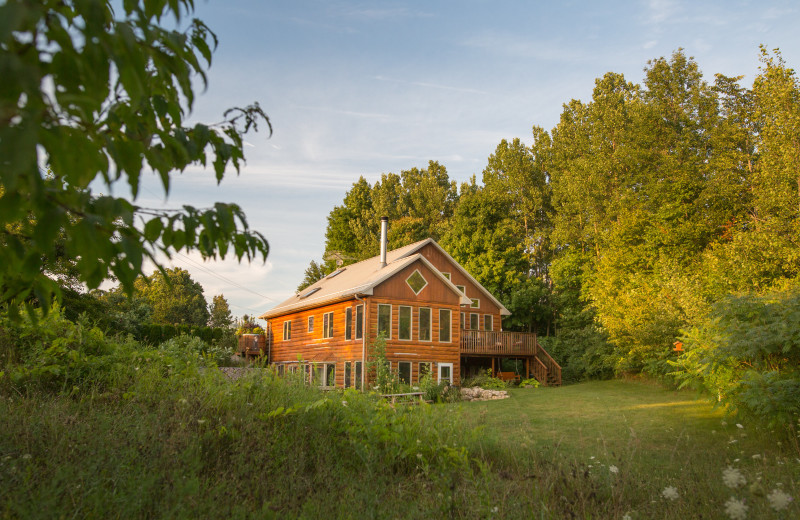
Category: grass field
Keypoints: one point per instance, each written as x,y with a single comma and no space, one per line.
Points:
652,437
189,444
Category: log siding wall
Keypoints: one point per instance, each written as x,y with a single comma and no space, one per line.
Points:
312,347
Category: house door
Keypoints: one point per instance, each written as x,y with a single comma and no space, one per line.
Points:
445,372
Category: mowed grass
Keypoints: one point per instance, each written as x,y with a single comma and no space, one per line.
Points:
629,440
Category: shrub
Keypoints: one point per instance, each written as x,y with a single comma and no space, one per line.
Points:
746,355
485,380
192,346
56,354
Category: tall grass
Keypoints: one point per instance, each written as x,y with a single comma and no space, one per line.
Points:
125,431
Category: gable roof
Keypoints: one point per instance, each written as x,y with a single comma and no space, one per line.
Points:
362,277
416,246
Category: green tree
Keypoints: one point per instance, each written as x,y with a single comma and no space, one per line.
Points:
220,312
314,273
174,297
100,92
418,202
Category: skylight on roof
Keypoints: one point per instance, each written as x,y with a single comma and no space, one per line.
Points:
336,272
309,293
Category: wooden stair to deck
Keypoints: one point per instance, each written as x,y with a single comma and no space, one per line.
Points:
513,345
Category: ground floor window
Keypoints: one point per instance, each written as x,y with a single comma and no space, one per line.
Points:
358,375
330,375
425,369
445,372
322,374
404,372
488,322
348,382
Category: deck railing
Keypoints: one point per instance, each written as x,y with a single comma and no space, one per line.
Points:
498,343
510,344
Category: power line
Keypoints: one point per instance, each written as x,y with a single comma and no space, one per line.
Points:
223,278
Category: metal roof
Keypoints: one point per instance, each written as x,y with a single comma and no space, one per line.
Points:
362,277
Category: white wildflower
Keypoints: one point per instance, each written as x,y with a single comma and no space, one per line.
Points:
670,493
735,509
733,478
419,455
756,456
201,421
739,426
495,509
778,500
613,469
27,456
626,517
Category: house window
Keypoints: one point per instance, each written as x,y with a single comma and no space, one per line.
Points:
445,373
311,324
417,282
463,323
348,374
447,275
280,370
424,369
444,325
473,321
462,289
348,323
385,320
475,303
424,324
404,322
327,325
488,322
315,373
358,375
359,322
287,330
404,372
330,375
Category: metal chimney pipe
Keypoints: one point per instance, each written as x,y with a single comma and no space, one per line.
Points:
384,240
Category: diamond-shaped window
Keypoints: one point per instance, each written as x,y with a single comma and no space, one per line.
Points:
417,282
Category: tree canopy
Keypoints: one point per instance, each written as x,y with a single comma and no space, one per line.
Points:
100,96
625,224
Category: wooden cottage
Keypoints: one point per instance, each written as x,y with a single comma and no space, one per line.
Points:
435,316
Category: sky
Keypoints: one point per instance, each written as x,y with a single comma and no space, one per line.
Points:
364,88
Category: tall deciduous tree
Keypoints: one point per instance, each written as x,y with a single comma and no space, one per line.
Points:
174,297
220,312
100,92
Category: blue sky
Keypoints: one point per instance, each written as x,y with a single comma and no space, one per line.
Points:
363,88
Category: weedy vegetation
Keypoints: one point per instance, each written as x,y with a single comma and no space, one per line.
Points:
95,426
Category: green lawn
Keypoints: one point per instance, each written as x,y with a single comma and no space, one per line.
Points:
654,437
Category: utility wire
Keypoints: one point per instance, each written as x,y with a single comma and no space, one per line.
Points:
223,278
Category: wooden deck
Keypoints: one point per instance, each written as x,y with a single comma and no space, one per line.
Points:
486,343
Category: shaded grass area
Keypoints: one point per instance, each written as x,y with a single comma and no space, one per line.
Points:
189,443
627,441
